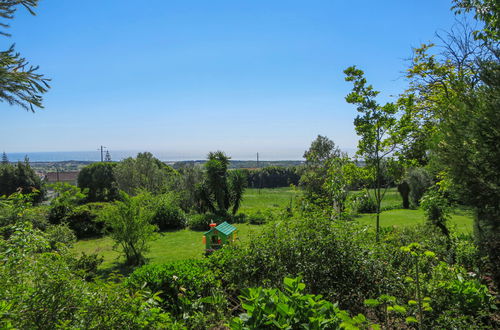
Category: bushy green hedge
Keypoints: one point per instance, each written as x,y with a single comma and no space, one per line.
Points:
167,215
191,279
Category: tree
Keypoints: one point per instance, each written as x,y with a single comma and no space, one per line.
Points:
145,172
20,82
99,181
5,159
21,178
131,228
220,190
319,154
107,158
459,89
374,125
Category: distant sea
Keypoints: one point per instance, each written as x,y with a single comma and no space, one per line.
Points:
59,156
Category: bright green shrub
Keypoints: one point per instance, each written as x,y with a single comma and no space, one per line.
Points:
363,203
167,215
332,257
257,218
60,236
38,289
287,309
177,281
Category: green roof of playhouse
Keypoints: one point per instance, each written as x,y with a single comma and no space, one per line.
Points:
224,228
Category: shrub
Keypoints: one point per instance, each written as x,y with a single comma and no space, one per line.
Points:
202,221
86,265
436,209
363,203
83,219
167,215
287,309
131,227
257,218
419,180
38,289
189,279
60,236
331,256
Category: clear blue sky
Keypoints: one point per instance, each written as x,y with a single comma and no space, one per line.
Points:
188,77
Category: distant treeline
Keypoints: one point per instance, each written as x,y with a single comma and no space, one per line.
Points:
242,164
272,177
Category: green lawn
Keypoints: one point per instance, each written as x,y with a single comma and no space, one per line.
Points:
461,219
267,198
169,246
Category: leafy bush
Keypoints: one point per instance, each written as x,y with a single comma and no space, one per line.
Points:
189,279
203,221
287,309
419,180
58,235
167,215
131,227
436,208
332,257
38,288
363,203
86,265
257,218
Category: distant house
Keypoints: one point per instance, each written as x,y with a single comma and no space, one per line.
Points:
66,177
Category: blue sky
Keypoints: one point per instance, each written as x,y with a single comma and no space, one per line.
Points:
187,77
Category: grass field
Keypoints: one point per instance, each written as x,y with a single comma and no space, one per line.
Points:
169,246
267,198
184,244
460,219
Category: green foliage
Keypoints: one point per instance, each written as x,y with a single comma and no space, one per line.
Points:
332,257
315,172
272,177
60,236
419,180
287,309
457,292
38,288
99,182
18,208
258,218
375,125
145,172
86,265
167,215
130,224
341,177
177,282
220,190
363,203
21,178
202,221
437,209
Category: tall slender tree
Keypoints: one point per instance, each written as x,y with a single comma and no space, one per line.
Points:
374,125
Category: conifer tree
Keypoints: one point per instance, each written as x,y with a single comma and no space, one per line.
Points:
5,159
107,158
20,82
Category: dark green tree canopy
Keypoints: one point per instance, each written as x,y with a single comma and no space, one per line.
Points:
20,177
100,181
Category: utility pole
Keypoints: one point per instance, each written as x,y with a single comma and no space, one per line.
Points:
102,153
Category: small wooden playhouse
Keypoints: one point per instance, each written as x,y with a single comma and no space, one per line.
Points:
219,236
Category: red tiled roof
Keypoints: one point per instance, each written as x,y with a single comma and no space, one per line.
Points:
61,176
